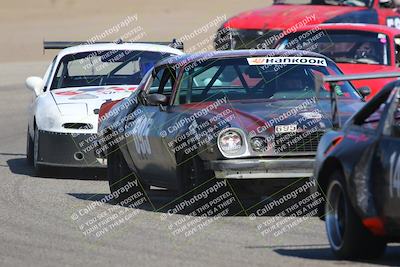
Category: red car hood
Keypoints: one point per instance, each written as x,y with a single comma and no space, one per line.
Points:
375,84
272,17
363,68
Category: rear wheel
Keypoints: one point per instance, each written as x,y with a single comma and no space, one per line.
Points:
121,179
348,238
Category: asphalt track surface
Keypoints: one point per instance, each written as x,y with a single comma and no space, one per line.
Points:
40,221
38,227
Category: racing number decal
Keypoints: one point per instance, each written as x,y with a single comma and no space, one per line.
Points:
394,176
140,135
393,22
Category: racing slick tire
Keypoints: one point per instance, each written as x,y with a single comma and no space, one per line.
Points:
192,180
192,174
29,149
348,238
120,177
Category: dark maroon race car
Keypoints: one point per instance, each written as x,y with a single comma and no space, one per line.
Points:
358,169
261,28
251,117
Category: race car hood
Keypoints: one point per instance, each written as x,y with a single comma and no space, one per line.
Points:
251,115
272,17
92,97
376,84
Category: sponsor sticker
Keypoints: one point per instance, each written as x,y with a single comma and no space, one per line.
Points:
286,128
97,90
311,115
315,61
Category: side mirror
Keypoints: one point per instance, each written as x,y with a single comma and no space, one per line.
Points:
364,91
36,84
157,99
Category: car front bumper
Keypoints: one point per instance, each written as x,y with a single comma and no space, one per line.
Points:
67,150
262,168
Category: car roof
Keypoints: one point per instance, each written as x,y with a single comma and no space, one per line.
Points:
353,26
122,46
190,58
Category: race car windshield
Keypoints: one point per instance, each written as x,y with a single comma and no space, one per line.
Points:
101,68
358,47
357,3
265,78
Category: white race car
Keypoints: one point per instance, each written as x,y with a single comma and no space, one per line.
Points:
63,115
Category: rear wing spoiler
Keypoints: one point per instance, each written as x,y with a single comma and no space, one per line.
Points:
333,79
355,77
65,44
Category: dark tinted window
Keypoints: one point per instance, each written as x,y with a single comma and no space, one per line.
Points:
241,79
342,46
113,67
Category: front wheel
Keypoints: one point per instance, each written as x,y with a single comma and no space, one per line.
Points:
348,238
192,174
122,181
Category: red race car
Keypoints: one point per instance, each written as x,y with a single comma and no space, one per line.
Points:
356,48
262,27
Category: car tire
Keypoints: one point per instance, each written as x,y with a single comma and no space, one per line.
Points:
191,175
29,149
192,180
347,236
119,176
39,169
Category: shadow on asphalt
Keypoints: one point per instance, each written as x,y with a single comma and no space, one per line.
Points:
159,199
21,167
391,257
164,201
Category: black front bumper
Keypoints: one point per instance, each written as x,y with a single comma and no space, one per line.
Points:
67,150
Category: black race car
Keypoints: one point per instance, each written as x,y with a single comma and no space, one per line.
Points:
251,117
358,168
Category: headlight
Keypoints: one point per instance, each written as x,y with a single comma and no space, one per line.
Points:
230,142
258,144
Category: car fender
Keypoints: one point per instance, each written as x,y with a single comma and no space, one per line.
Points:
46,113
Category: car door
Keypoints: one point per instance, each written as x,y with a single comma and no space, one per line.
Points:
387,157
145,132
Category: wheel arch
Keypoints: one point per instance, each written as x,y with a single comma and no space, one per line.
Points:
330,165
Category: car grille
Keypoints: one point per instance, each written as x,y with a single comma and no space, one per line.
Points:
297,142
